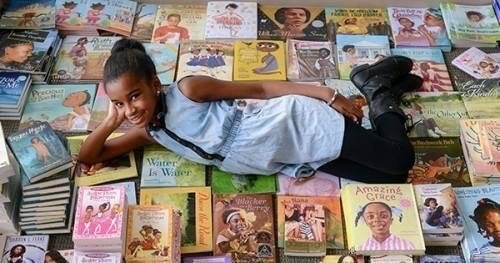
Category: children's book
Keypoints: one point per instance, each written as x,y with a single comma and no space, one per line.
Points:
231,183
97,257
290,209
65,107
490,138
356,21
164,57
392,259
144,20
478,64
440,259
207,58
283,23
321,184
130,192
194,203
153,234
342,258
382,219
243,226
39,151
259,60
25,248
231,20
67,254
13,89
118,16
439,160
100,111
428,63
161,167
355,50
310,60
71,16
28,14
178,23
208,259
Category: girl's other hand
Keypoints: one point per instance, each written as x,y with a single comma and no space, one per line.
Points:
114,117
347,108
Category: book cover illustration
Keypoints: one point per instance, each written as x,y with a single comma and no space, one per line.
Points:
82,58
144,20
100,111
161,167
283,23
440,259
194,203
230,183
439,160
207,58
434,114
231,20
177,23
164,57
321,184
428,63
251,219
438,210
342,259
306,235
259,60
118,18
70,15
97,257
356,21
130,192
29,248
208,259
355,50
490,138
382,219
13,86
23,14
311,60
478,64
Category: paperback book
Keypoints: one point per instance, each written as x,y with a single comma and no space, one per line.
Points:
356,21
164,57
230,183
96,257
231,20
26,248
13,89
144,19
478,64
321,184
28,14
179,23
259,60
310,60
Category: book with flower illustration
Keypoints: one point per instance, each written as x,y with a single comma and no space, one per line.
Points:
321,184
382,219
100,111
28,248
250,217
194,203
144,19
478,64
179,23
157,225
28,14
164,57
161,167
356,21
311,60
231,183
428,63
290,209
96,257
117,168
231,20
259,60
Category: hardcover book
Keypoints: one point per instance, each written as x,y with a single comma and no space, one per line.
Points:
489,138
144,19
208,259
164,57
97,257
478,64
178,23
321,184
71,16
13,89
118,17
28,14
440,259
310,60
356,21
231,20
230,183
259,60
100,111
25,248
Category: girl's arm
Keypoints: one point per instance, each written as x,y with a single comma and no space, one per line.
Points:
204,89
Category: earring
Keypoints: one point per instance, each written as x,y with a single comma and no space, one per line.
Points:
158,93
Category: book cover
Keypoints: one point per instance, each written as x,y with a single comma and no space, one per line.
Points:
118,18
25,248
355,50
178,23
130,192
230,183
356,21
164,57
28,14
59,255
429,64
283,23
440,259
478,64
144,20
250,218
342,259
259,60
208,259
434,114
207,58
321,184
439,160
161,167
40,151
231,20
13,89
382,219
290,209
100,111
194,203
490,138
151,234
71,16
392,259
97,257
310,60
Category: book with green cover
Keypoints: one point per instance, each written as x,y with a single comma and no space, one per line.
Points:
229,183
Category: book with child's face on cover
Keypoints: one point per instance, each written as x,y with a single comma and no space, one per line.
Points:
311,60
179,23
231,20
25,248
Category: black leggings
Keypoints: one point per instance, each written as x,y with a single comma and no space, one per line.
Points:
384,156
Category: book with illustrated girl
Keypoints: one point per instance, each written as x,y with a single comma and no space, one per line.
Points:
428,63
321,184
418,27
311,60
179,23
434,114
117,19
259,60
100,111
231,20
81,59
439,160
207,58
356,21
292,209
480,208
96,257
65,107
195,205
382,219
153,234
100,218
120,167
243,227
144,20
355,50
283,23
164,57
29,248
28,14
161,167
478,64
231,183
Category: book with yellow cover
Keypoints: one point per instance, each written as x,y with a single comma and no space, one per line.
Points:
259,60
195,205
382,219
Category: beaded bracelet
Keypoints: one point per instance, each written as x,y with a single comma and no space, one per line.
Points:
332,100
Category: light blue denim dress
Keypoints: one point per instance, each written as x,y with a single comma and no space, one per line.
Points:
291,134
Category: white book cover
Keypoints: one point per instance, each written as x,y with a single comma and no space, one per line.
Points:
231,20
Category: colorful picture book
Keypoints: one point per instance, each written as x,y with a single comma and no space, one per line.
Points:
26,248
310,60
321,184
230,183
28,14
478,64
100,111
13,89
231,20
178,23
208,259
96,257
356,21
144,19
164,57
489,130
259,60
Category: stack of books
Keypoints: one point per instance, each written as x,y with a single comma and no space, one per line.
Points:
31,248
14,88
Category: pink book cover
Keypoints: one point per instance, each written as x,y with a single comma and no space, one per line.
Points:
478,64
99,212
490,138
97,257
404,24
321,184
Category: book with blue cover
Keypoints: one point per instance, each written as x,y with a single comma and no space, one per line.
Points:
164,57
13,89
29,14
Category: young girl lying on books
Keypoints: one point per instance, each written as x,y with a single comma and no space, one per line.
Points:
295,128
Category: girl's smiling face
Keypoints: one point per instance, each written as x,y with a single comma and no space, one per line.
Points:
491,224
378,218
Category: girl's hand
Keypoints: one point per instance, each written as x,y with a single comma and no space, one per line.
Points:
347,108
114,117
